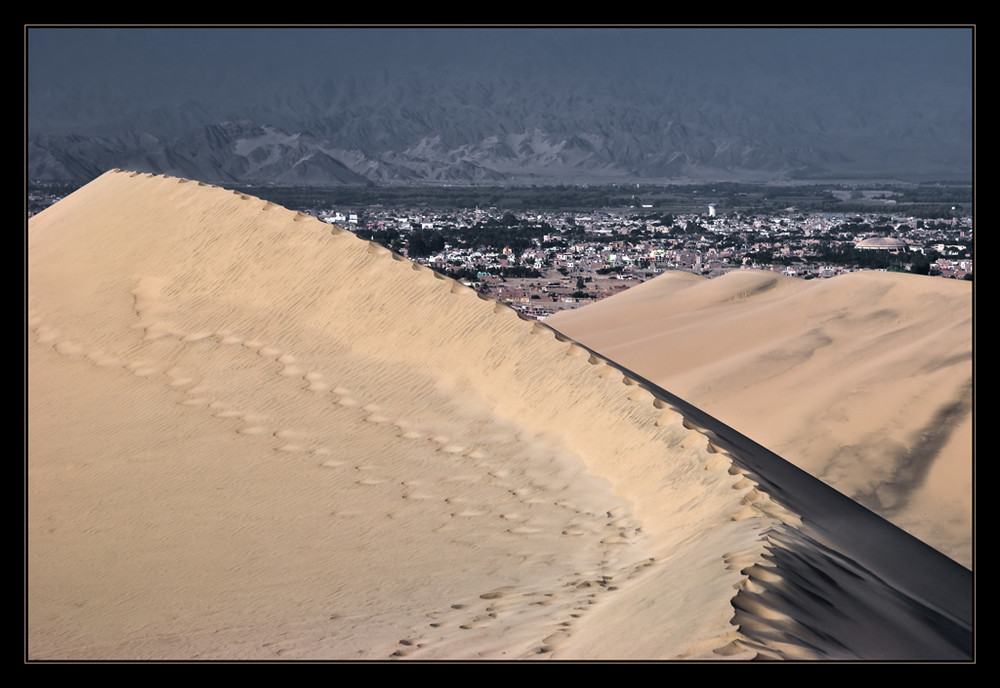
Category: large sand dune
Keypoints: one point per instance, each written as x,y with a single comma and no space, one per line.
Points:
863,380
252,435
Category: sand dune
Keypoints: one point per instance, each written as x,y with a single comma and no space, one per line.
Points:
864,380
252,435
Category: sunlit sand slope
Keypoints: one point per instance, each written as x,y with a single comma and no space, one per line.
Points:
864,380
253,435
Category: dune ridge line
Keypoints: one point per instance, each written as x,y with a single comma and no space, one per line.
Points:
315,356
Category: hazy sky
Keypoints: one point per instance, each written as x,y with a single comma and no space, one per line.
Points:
887,96
167,64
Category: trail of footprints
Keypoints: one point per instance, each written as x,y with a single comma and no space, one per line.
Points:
510,608
573,594
504,622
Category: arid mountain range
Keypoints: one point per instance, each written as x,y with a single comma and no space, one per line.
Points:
495,108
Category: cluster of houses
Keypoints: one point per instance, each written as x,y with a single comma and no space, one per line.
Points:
584,257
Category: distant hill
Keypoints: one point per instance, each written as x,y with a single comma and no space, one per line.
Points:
519,114
502,133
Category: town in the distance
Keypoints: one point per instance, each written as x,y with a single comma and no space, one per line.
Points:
544,249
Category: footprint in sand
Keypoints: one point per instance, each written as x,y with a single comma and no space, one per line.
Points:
68,348
102,360
316,382
269,352
227,337
288,367
143,369
254,430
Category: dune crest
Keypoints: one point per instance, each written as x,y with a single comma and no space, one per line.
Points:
254,435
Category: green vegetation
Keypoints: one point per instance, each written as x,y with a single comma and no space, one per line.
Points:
848,255
943,199
570,198
657,203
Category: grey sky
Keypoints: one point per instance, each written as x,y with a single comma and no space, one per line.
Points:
882,95
177,63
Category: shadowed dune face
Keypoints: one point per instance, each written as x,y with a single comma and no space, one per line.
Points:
864,380
253,435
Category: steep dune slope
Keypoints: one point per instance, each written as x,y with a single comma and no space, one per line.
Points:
253,435
863,380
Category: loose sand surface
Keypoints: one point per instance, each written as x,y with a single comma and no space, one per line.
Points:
863,380
252,435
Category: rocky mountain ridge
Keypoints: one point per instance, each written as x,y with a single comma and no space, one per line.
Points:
438,130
